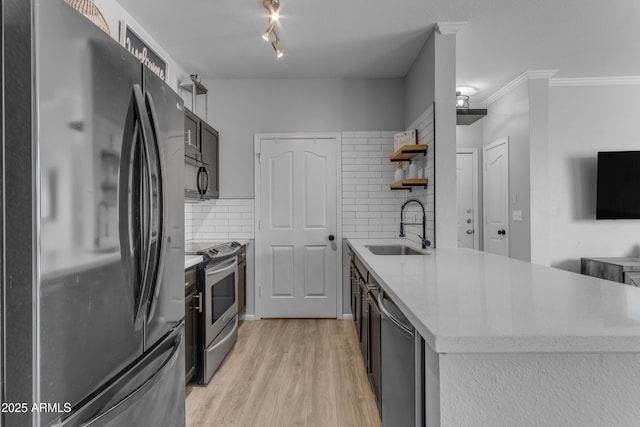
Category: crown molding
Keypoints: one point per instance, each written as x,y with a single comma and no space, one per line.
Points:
596,81
522,78
446,28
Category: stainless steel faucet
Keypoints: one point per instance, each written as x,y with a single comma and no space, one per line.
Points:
423,238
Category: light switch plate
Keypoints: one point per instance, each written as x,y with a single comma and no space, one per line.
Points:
517,215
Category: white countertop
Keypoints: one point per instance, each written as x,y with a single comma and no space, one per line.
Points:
465,301
191,260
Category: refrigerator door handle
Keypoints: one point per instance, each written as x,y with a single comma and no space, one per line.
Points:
149,183
130,209
159,213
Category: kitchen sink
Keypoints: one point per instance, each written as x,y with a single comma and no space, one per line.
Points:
392,250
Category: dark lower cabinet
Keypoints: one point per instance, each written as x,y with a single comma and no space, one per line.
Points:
191,309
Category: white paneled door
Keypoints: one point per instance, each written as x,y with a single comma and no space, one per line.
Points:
297,225
496,197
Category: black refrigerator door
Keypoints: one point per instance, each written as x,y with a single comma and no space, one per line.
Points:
166,292
89,295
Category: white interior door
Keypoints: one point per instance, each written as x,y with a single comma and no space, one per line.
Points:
495,195
467,193
297,217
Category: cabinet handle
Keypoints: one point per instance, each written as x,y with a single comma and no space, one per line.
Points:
188,132
199,298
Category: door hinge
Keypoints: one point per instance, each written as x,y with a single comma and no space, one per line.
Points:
259,159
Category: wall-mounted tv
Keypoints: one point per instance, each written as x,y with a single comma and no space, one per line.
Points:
618,185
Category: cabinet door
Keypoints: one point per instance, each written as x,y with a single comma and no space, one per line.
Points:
191,135
209,149
191,304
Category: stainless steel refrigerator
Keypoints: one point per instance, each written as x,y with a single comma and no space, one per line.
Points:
92,228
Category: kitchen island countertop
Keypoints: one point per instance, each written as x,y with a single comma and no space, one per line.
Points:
467,301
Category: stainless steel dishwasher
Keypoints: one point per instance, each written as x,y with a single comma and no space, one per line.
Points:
398,366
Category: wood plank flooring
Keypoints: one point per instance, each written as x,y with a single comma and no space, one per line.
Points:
288,372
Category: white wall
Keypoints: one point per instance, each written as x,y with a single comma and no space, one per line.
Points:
583,121
469,136
240,108
114,13
509,116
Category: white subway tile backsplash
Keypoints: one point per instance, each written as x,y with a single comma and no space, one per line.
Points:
370,209
368,134
220,219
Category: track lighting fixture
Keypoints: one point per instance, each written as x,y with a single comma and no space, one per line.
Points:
270,35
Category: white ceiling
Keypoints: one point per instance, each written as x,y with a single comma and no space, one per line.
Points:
381,38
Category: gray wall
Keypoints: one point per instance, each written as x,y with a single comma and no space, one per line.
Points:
419,90
509,116
240,108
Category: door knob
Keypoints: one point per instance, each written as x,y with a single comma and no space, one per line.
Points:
331,237
502,232
469,231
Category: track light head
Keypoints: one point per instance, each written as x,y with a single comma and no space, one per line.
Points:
270,29
279,53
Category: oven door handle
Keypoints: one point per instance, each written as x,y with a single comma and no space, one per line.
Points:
221,268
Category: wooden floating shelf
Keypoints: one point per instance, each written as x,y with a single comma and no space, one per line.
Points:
408,152
409,183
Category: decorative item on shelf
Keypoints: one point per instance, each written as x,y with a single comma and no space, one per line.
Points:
194,87
271,33
405,138
89,9
400,175
413,171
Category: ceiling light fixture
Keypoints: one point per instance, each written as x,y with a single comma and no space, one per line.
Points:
270,35
462,101
467,90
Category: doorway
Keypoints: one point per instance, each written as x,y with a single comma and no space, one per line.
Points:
495,196
297,247
467,195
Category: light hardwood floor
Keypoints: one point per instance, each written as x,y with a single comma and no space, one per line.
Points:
288,372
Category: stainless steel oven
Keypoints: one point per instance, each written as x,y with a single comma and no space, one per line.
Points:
217,284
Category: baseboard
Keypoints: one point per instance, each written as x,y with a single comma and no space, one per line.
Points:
248,317
347,316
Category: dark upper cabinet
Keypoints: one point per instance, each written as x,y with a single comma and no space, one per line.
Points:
210,149
201,144
191,135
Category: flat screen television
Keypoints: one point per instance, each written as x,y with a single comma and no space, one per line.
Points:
618,185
